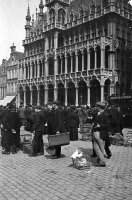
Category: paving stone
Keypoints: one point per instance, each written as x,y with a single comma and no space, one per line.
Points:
43,178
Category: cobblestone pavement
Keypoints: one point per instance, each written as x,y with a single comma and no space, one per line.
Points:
43,178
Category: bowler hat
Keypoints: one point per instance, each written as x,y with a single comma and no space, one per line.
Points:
11,106
100,104
56,102
38,107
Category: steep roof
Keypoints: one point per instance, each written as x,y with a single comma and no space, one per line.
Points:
76,5
18,55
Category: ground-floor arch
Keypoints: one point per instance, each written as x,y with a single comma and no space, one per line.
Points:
71,93
34,95
27,89
95,91
82,93
61,93
50,92
107,89
41,95
21,92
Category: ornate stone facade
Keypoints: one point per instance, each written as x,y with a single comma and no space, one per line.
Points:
3,78
78,52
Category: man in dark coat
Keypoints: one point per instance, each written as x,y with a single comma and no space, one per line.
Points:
11,125
100,133
39,121
56,124
72,124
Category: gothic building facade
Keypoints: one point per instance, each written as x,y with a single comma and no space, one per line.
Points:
77,52
3,79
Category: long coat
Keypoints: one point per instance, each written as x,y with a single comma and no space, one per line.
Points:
55,121
104,122
39,120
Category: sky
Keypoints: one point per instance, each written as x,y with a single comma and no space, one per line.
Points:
12,24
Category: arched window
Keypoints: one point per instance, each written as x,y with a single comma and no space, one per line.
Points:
52,16
61,16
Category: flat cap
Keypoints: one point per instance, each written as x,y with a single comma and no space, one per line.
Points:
100,104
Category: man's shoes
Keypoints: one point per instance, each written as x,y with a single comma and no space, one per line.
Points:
40,154
55,157
107,156
14,152
100,164
6,152
32,155
93,156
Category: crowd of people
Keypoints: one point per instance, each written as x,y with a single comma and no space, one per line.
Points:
52,118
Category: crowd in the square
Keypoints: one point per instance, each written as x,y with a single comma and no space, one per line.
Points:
105,120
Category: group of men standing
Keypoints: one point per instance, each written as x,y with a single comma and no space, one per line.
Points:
54,119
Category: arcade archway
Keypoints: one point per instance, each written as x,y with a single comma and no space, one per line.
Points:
61,93
71,94
21,95
35,95
41,95
27,95
95,92
107,89
82,93
50,92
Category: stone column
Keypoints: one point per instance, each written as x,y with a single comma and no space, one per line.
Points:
71,63
24,72
35,75
95,63
55,93
24,98
65,96
55,66
46,68
28,72
102,58
61,64
82,61
38,102
76,55
66,58
31,96
38,69
18,99
88,95
76,96
56,40
42,68
88,59
31,71
102,93
102,52
46,95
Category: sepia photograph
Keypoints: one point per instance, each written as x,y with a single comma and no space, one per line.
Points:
66,100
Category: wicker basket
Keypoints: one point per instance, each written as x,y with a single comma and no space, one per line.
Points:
27,148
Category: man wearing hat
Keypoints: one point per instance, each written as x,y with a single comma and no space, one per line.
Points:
100,133
39,121
11,124
56,124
